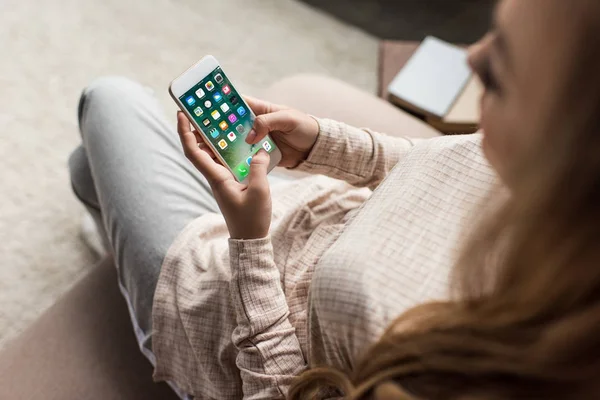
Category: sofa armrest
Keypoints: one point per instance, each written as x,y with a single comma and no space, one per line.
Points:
83,347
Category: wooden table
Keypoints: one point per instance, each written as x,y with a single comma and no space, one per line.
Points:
393,56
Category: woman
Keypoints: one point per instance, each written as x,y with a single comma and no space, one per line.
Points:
316,269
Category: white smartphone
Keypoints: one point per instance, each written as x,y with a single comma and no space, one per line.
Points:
217,110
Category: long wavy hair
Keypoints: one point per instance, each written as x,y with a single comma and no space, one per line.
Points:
525,324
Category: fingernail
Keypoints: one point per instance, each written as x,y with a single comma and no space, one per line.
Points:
262,153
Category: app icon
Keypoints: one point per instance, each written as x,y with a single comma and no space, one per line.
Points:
267,146
215,114
209,86
224,107
241,111
219,78
214,133
222,144
240,129
190,100
242,170
249,160
218,97
200,93
223,125
226,89
231,136
207,104
198,111
232,118
233,99
206,122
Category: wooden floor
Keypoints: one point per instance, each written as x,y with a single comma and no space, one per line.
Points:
460,21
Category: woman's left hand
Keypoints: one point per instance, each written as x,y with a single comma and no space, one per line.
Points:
247,209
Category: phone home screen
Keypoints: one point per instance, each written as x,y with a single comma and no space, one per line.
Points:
219,110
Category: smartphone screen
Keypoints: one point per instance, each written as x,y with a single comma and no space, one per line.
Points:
220,111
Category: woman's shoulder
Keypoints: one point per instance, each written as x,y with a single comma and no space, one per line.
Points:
458,158
466,144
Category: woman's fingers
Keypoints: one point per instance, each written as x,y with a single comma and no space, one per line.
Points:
207,150
198,137
260,107
213,172
187,137
283,121
203,146
259,168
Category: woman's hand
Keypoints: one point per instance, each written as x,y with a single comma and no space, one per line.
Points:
247,209
294,132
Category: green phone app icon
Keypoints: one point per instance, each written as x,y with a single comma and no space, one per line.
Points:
242,170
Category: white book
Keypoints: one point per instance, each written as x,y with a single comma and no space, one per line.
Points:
432,79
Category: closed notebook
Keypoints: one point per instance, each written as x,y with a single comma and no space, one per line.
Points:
465,113
432,80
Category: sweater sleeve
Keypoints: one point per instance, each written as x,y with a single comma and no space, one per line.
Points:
269,352
360,157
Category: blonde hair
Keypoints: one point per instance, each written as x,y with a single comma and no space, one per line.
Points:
534,332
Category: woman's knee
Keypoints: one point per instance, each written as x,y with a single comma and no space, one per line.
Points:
110,92
81,178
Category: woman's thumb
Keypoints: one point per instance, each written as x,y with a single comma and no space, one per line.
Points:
259,168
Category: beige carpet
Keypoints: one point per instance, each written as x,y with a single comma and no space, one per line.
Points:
52,48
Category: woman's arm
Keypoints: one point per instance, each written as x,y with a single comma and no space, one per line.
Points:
322,146
269,352
360,157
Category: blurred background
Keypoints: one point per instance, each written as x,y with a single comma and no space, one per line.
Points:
52,49
459,21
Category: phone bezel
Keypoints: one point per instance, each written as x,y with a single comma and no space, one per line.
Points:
184,82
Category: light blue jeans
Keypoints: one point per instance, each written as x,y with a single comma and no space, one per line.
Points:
131,174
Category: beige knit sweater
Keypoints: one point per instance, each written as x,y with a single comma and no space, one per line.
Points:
239,319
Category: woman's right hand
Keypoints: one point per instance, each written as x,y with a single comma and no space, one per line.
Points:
294,132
